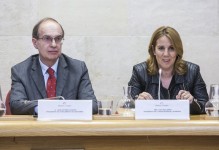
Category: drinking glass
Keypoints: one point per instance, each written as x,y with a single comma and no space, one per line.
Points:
214,91
2,105
212,106
105,107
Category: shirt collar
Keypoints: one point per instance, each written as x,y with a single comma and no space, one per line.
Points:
45,68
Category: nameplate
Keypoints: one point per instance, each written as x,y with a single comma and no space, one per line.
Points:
64,109
162,109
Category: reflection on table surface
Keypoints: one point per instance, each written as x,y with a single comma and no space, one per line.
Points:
102,117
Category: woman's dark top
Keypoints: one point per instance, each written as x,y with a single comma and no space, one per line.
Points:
191,81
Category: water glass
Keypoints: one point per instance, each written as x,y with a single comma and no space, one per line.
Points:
105,107
214,91
212,106
2,105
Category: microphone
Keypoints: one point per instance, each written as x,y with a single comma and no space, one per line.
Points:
160,71
56,98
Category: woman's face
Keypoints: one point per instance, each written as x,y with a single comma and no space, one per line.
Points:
165,54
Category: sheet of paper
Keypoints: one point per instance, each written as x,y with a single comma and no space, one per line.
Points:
162,109
64,109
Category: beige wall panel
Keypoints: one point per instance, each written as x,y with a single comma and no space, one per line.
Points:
111,36
17,17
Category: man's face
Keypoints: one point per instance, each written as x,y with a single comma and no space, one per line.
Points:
49,42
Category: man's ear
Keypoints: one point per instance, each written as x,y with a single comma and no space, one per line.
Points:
34,41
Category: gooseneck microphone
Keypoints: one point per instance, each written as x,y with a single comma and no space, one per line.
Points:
160,71
56,98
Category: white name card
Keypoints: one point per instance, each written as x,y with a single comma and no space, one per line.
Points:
64,109
162,109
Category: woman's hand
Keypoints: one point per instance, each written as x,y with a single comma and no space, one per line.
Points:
144,96
185,95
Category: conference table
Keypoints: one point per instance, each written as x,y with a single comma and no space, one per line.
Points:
20,132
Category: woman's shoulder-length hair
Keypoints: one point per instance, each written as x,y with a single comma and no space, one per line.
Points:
180,65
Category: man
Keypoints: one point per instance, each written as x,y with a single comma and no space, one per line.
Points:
49,73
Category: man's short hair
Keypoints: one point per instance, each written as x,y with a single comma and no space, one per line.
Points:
36,27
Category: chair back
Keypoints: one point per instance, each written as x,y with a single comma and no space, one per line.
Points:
7,104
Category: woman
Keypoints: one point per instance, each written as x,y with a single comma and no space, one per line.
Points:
179,79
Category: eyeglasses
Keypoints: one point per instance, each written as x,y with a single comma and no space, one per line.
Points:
48,39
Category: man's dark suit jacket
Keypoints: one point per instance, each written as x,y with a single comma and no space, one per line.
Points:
28,83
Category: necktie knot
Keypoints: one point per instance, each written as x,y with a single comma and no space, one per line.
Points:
50,71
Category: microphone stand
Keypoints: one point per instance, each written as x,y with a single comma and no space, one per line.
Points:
56,98
160,71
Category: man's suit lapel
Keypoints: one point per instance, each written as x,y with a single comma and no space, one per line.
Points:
62,74
37,76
